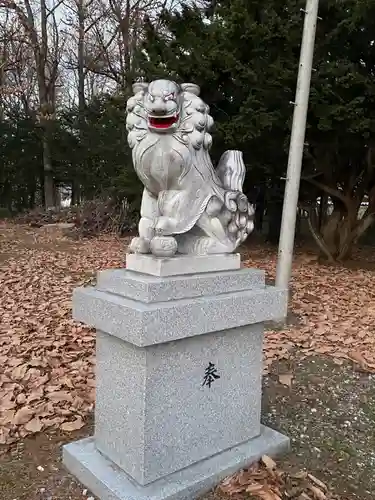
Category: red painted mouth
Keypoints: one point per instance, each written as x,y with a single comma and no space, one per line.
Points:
162,122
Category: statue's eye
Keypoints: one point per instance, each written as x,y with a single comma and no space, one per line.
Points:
169,97
151,98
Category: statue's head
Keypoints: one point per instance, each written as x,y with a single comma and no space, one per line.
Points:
164,107
162,102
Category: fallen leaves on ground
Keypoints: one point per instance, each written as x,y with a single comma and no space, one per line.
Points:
47,359
265,481
333,311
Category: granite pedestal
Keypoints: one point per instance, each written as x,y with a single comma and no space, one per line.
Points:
178,377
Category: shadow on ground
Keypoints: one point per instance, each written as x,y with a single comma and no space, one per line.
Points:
329,413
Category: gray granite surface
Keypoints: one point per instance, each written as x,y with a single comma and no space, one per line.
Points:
147,288
145,324
158,408
109,482
178,371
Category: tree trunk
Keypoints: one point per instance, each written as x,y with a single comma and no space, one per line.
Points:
323,209
32,198
48,174
259,211
76,193
351,233
125,42
76,187
46,78
330,232
342,230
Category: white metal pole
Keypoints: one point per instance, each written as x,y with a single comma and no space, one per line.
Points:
297,140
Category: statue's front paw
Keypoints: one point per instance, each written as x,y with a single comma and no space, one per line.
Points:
139,245
163,246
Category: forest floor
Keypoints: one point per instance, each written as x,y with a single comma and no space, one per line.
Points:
319,383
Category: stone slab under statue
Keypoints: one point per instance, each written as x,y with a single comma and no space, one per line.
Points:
180,330
182,264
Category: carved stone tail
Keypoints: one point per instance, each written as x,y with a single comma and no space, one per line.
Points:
231,170
238,214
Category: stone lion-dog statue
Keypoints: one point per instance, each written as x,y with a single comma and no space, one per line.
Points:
188,206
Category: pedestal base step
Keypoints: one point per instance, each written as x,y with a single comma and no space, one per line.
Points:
109,482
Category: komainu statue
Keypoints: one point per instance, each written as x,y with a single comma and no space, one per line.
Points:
188,206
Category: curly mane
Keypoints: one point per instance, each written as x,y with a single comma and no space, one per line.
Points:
136,119
195,121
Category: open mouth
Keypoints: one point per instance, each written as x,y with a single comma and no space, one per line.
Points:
162,122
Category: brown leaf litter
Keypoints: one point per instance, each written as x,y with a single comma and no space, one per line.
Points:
46,359
335,307
265,481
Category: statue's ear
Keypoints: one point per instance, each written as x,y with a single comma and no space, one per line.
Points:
138,86
191,87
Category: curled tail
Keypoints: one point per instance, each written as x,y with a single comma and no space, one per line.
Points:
238,214
231,170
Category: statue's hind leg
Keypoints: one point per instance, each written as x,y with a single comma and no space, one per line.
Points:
221,233
201,245
207,237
